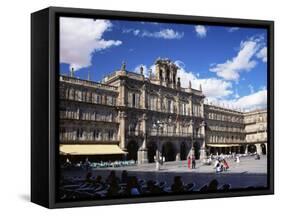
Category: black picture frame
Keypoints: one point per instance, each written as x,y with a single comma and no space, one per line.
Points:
44,101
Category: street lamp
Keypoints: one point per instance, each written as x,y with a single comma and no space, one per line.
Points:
158,125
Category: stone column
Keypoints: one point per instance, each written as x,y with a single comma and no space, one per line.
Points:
191,124
144,97
142,152
203,152
178,113
259,149
246,149
122,93
159,101
178,157
202,108
122,130
190,106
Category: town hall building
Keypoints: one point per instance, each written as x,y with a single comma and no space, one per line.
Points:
130,116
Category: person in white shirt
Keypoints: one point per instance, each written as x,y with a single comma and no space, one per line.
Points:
216,163
237,159
218,168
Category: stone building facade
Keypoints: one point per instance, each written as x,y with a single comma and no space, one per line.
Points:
256,131
128,115
231,131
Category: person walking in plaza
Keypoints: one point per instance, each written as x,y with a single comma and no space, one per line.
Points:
216,163
87,164
193,162
188,162
237,159
225,165
218,168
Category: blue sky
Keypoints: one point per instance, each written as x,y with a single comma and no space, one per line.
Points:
229,62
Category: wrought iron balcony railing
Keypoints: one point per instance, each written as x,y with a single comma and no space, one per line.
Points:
65,139
173,134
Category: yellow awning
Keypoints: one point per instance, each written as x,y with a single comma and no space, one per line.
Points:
90,149
223,145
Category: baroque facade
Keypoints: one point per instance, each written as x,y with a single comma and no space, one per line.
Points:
130,116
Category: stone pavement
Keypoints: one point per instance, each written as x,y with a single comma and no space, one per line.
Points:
246,165
248,172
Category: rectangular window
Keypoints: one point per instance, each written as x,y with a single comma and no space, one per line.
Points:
98,100
134,100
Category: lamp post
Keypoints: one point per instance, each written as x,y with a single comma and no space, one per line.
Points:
158,125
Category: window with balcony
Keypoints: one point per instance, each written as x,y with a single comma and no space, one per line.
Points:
98,99
169,106
152,102
134,100
96,134
71,94
79,133
111,134
109,100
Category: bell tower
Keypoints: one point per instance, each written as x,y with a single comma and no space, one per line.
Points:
166,72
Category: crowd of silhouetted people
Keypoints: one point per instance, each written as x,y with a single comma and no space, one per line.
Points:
127,186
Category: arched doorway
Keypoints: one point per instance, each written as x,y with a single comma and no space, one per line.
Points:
252,148
196,146
168,152
151,152
242,149
183,151
212,150
263,149
132,149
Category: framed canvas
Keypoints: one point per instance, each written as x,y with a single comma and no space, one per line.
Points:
137,107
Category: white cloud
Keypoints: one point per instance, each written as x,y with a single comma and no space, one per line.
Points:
164,33
218,91
134,31
201,31
80,38
243,61
253,101
213,88
232,29
262,54
152,23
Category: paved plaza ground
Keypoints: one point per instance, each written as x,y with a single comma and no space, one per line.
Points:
246,165
249,172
